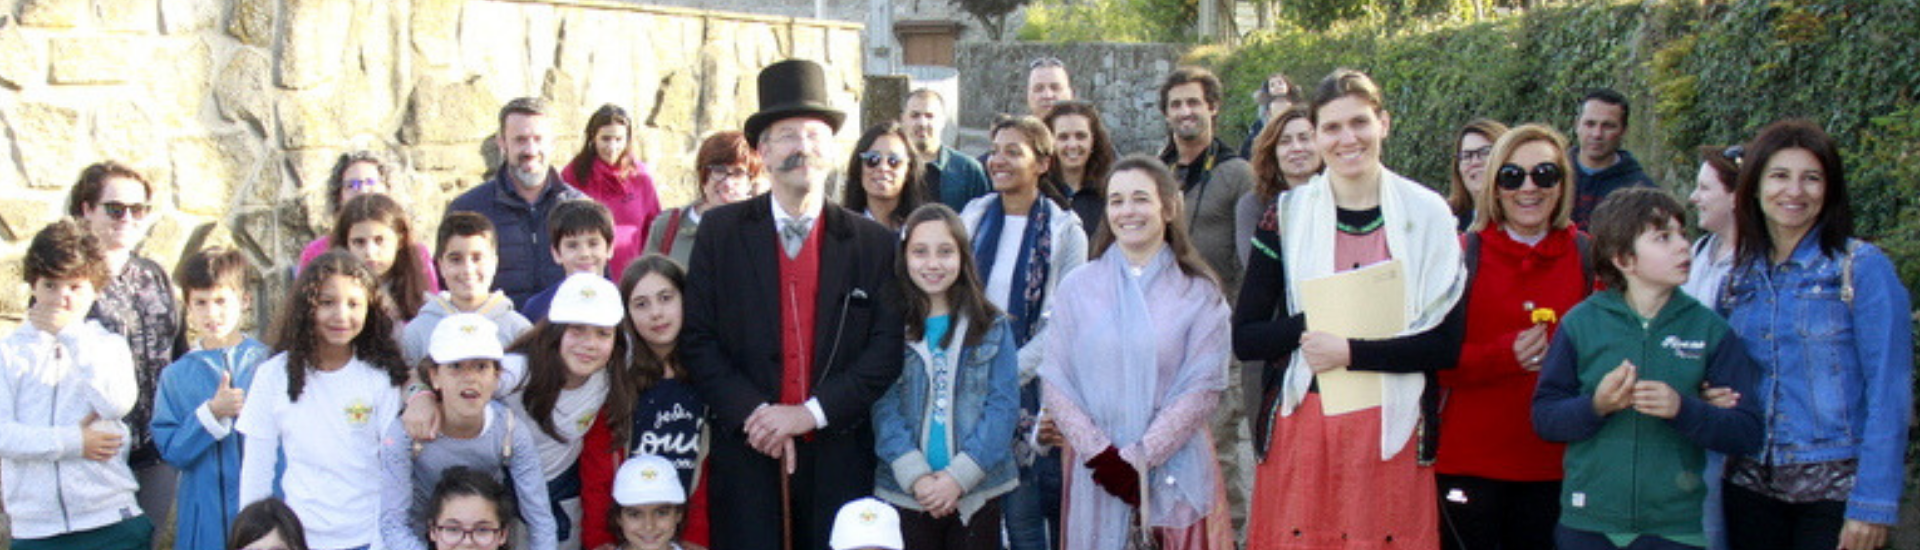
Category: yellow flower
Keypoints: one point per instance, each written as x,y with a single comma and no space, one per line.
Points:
1545,315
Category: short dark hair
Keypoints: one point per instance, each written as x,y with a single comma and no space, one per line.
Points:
579,216
213,267
530,106
1209,85
65,249
266,516
1619,221
723,148
93,179
461,481
1610,97
337,177
464,224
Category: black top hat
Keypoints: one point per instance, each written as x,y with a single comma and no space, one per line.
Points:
791,88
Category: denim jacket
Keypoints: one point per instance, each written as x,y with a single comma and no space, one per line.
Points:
1835,376
986,402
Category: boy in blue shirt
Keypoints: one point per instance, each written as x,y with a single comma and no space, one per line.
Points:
582,235
202,393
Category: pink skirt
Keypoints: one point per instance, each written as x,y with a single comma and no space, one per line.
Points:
1323,486
1214,532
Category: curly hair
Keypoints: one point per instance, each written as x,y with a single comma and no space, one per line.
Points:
547,376
294,331
65,250
405,283
338,177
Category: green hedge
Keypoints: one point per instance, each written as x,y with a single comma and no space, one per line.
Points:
1696,75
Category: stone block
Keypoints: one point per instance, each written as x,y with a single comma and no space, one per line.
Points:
44,143
58,14
263,190
562,91
244,90
20,57
679,101
167,240
464,160
206,170
22,217
252,22
314,46
141,16
183,82
434,28
126,130
441,112
13,301
309,119
184,16
103,59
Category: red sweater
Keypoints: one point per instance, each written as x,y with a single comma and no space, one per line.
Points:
1485,427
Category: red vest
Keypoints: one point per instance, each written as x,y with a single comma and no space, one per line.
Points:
799,294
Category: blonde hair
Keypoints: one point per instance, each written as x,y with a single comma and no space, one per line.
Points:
1503,149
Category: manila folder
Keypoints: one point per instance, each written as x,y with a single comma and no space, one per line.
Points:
1366,303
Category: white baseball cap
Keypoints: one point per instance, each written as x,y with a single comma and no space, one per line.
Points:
464,336
648,479
866,523
587,299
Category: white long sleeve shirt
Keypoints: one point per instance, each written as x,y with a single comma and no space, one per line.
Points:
49,384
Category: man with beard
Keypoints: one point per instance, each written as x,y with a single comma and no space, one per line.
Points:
1212,179
518,198
791,332
951,177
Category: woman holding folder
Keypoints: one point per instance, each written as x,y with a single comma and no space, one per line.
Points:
1344,451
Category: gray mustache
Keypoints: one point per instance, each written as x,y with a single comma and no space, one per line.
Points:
798,161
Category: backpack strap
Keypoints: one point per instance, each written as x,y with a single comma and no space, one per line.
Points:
1584,245
673,230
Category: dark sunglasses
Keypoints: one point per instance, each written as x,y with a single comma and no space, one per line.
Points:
1545,176
874,158
120,210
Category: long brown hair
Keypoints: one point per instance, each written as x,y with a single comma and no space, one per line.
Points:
967,297
1100,156
646,368
1835,221
294,332
1171,207
1459,197
1268,179
547,376
606,115
405,284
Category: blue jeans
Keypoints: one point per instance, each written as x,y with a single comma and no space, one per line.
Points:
1033,509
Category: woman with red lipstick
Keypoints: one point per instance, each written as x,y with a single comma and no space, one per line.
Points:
668,419
1498,481
476,432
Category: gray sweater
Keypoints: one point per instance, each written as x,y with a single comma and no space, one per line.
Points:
505,443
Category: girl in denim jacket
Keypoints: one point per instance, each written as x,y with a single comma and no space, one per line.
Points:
944,430
1826,318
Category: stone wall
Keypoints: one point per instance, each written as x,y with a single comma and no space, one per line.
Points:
236,108
1122,79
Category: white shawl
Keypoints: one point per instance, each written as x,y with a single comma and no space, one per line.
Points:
1420,234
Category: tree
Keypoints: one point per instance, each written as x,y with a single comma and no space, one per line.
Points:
991,13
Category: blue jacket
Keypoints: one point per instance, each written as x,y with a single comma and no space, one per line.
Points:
1591,188
209,465
986,403
1835,378
526,258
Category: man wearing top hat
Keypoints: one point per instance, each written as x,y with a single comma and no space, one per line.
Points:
790,332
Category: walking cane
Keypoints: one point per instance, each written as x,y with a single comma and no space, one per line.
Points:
787,462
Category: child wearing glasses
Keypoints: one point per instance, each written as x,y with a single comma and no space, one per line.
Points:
475,433
1618,387
884,177
469,511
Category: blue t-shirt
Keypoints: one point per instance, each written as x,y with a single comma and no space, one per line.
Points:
938,455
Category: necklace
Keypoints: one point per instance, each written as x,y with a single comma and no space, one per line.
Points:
1361,230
